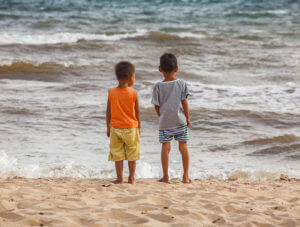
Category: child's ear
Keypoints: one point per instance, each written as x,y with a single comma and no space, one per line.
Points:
159,69
131,80
176,69
132,77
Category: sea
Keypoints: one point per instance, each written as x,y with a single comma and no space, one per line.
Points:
240,59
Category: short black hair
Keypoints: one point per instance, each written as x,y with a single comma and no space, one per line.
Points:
168,62
124,69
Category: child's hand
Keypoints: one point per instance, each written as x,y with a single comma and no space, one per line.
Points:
139,131
188,122
108,131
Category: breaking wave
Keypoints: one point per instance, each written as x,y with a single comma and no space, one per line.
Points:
161,36
28,67
287,138
17,111
66,37
278,149
140,34
9,168
47,71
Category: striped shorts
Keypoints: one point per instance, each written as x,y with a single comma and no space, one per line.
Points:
179,133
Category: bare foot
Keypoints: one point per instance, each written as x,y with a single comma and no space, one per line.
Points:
164,180
131,180
186,180
118,181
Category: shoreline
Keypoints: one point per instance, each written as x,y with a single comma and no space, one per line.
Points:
97,202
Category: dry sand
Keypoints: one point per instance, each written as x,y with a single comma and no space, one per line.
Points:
98,202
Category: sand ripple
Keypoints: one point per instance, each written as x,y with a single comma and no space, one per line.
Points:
98,202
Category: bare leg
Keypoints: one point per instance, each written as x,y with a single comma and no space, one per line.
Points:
131,166
183,148
119,170
165,150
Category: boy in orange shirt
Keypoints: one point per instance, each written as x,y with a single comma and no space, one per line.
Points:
123,122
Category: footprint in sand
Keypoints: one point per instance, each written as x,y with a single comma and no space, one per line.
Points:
139,221
178,212
30,222
231,209
6,205
197,217
129,199
289,222
11,216
126,217
120,215
82,221
214,208
162,217
159,201
26,203
144,207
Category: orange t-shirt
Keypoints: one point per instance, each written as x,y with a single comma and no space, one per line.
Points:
122,107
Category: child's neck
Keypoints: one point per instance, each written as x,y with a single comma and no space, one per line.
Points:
123,85
169,76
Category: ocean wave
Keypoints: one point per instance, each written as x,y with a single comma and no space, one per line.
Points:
218,120
63,37
17,110
56,38
278,149
287,138
10,168
47,71
162,36
28,67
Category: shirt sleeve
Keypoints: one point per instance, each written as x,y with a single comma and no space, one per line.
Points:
155,95
185,91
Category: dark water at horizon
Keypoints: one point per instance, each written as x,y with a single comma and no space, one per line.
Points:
240,59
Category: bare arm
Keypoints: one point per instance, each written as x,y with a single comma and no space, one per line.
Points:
137,113
157,110
185,107
108,118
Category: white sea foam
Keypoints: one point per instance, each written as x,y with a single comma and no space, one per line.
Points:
63,37
10,167
67,37
191,35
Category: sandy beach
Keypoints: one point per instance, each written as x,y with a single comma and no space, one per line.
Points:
98,202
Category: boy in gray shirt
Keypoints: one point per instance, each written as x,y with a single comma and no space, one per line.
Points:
170,99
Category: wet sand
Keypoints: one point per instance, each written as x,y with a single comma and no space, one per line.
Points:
98,202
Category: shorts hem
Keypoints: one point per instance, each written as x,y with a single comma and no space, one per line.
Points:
168,141
116,160
181,140
132,160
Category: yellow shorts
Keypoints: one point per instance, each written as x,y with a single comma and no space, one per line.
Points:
124,144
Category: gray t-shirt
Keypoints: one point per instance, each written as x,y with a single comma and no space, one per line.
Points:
168,96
